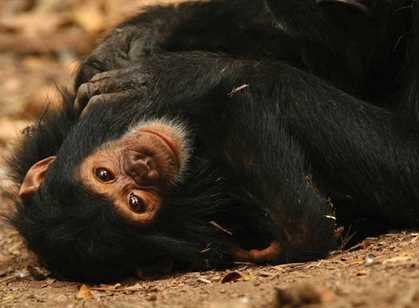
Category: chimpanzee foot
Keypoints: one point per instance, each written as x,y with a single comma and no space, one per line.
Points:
268,254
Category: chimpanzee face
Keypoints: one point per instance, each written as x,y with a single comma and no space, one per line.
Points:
134,171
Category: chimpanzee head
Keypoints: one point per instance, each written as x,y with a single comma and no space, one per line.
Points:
105,195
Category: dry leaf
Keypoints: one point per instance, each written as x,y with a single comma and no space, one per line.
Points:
10,129
232,277
204,280
362,273
90,17
35,25
84,293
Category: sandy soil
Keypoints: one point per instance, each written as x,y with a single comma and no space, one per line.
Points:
379,272
41,43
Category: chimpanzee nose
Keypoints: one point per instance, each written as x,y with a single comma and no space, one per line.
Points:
141,168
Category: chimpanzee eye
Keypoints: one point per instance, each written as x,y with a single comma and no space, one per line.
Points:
104,175
136,204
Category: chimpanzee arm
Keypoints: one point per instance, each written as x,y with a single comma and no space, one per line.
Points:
307,38
237,27
296,32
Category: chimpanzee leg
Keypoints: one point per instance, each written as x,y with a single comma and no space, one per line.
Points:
277,177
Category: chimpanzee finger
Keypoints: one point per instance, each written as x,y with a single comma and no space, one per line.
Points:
102,83
104,99
84,93
89,68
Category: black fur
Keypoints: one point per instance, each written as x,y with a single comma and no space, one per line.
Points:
286,121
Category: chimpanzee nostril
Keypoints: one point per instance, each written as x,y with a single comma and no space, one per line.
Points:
142,169
148,161
136,167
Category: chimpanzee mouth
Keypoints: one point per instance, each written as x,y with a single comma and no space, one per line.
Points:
174,137
166,140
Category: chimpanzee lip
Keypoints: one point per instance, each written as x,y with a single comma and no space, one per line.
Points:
166,140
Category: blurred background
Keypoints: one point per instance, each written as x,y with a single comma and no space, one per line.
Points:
41,43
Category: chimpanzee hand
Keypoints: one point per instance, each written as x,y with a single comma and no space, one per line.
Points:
115,85
170,77
120,49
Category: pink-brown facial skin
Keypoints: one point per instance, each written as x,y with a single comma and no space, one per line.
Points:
134,172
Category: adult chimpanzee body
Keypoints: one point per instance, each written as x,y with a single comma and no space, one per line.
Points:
275,143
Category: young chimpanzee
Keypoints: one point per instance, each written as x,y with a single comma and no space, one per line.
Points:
220,131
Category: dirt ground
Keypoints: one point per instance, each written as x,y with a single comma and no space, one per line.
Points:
380,272
41,42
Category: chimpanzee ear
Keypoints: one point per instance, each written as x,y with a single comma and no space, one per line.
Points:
34,177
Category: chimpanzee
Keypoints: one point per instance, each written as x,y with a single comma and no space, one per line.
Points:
225,130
